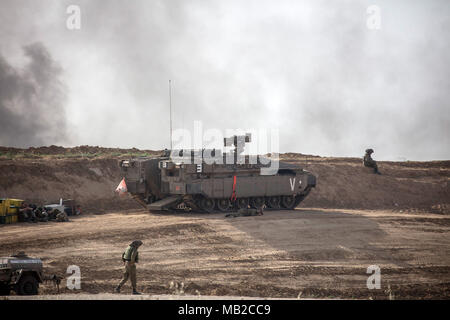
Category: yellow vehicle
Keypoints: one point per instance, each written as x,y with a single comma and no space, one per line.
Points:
9,210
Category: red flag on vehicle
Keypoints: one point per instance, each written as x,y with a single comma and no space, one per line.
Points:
122,187
233,196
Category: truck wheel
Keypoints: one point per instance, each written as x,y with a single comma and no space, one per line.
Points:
242,203
4,290
208,204
274,202
288,202
223,204
27,286
257,202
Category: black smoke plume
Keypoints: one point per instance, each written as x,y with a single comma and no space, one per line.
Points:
32,100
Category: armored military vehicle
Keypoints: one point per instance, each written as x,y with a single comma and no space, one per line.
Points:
22,274
209,180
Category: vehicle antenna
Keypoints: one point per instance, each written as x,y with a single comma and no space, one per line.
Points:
170,110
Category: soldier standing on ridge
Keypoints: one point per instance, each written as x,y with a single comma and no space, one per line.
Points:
130,257
369,162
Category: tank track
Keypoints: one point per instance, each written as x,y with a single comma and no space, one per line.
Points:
200,204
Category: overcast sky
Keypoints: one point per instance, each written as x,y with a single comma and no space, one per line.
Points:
311,69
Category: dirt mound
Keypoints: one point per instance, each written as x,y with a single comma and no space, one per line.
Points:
7,153
90,174
91,182
346,184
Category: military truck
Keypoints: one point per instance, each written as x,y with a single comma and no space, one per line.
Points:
22,274
209,180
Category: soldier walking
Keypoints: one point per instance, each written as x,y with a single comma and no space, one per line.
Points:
130,257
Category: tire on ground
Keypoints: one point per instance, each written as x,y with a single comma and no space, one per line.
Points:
4,290
27,286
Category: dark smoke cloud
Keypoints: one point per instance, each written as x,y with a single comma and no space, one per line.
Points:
310,68
32,100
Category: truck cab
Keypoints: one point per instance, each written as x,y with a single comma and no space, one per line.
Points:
21,274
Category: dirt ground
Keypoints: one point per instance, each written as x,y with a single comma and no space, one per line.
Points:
306,253
399,220
43,176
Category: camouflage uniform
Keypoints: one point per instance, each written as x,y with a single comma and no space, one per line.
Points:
41,215
62,217
246,212
23,214
130,258
369,162
52,213
26,213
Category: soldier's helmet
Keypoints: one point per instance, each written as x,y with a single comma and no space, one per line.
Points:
136,243
369,151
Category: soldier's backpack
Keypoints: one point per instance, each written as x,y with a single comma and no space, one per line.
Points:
126,255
